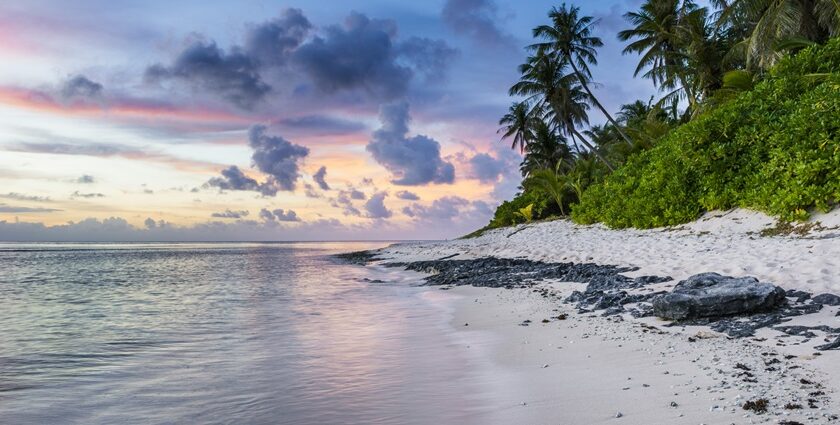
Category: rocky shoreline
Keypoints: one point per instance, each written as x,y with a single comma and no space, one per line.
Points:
609,293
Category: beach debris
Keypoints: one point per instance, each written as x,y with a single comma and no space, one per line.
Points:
758,406
619,414
714,295
674,404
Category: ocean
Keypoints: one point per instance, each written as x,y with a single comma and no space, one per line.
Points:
224,333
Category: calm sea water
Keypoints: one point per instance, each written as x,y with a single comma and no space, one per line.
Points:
221,333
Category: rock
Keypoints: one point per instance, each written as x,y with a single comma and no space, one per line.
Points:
826,299
830,346
713,295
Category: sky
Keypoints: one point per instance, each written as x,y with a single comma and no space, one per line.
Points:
268,120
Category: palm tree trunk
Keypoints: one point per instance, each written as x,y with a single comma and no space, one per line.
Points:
595,151
598,104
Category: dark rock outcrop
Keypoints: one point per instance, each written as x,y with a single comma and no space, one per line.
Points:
713,295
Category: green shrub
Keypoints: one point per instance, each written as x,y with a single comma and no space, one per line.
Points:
508,213
775,148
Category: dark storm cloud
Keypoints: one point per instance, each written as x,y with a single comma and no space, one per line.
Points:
411,160
230,214
444,208
11,209
408,196
232,75
279,215
320,178
477,19
80,87
272,42
375,206
276,157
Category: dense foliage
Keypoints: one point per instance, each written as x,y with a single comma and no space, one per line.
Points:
739,123
775,149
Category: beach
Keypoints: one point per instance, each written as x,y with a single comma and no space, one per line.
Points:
550,363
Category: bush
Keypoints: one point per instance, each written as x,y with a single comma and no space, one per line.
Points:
775,149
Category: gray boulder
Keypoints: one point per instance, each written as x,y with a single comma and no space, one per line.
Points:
827,299
713,295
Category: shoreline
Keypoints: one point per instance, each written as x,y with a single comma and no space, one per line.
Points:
679,374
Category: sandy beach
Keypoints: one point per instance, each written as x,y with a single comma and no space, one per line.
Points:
548,364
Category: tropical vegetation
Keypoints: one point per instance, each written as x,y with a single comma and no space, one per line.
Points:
748,115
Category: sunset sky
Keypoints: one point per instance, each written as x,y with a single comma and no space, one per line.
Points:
267,120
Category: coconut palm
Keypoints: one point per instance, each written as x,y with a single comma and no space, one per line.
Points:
657,36
570,37
546,150
517,124
772,22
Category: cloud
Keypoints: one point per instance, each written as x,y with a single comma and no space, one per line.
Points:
203,65
230,214
428,57
409,196
108,150
78,194
272,155
273,41
117,229
14,209
375,206
477,19
358,54
276,156
487,169
444,208
279,215
22,197
319,178
80,87
234,179
411,160
345,199
322,124
85,179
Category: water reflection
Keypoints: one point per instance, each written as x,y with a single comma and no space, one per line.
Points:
219,333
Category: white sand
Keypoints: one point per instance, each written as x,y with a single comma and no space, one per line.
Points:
586,369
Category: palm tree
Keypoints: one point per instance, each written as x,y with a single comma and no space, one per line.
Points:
552,182
570,37
517,124
546,150
658,37
556,95
773,21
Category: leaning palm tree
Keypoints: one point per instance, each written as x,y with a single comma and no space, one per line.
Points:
517,124
570,37
569,108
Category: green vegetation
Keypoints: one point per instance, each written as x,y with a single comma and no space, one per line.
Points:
775,148
749,116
